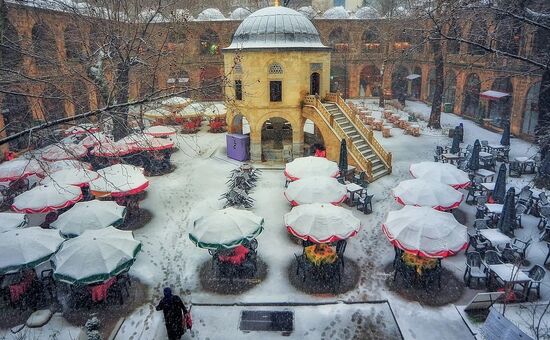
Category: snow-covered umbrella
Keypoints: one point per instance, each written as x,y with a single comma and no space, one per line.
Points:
76,177
316,189
88,216
473,162
421,192
153,144
81,129
95,256
119,180
10,221
455,147
441,172
192,110
321,223
19,168
499,191
112,149
46,198
60,152
95,139
160,131
425,232
303,167
343,160
27,248
66,164
174,103
215,110
226,228
158,113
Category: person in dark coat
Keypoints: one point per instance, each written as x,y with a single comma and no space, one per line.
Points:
173,309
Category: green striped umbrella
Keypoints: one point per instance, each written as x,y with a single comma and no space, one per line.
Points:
226,228
95,256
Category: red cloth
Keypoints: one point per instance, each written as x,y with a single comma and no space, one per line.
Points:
17,290
188,321
320,153
9,155
99,292
237,256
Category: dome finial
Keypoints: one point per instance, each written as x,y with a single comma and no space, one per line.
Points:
276,4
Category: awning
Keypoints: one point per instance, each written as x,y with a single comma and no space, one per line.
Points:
413,76
493,95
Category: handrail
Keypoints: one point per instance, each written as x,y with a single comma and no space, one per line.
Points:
385,156
365,164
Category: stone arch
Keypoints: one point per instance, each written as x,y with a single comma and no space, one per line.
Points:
500,109
238,122
472,88
399,81
449,93
530,114
11,47
477,34
369,81
371,40
312,136
339,39
508,34
339,79
277,136
73,43
44,46
53,103
17,116
209,43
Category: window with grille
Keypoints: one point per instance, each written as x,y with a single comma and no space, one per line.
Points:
238,90
276,91
275,69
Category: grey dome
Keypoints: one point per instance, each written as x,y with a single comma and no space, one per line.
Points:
278,28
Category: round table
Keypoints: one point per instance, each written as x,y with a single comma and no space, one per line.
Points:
419,263
319,254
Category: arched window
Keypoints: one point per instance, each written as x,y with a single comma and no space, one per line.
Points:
209,43
371,40
508,35
11,47
73,43
369,81
478,35
80,97
53,103
531,110
455,31
275,68
17,117
450,88
44,45
339,40
403,40
501,108
541,43
470,106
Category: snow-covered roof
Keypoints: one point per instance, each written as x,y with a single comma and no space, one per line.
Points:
210,14
150,15
308,12
182,14
413,76
367,12
491,94
240,13
338,12
276,27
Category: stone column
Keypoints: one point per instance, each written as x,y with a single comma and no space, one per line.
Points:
298,143
255,145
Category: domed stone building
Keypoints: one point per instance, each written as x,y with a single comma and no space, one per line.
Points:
275,59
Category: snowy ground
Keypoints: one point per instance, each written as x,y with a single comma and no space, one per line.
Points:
169,258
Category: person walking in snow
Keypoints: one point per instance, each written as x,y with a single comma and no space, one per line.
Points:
173,310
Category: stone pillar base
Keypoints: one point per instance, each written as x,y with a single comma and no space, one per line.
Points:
256,152
297,150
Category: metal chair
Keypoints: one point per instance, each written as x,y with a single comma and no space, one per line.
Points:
480,206
340,249
520,247
474,268
543,199
520,210
484,145
529,166
544,212
514,169
536,274
365,204
492,257
525,195
480,224
478,245
474,190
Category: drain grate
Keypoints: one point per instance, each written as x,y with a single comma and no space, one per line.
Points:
273,321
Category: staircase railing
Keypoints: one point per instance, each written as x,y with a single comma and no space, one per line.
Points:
385,156
365,164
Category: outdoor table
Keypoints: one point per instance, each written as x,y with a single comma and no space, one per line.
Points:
485,174
369,120
99,291
419,263
236,257
352,189
452,158
510,275
497,147
496,237
319,254
483,154
488,186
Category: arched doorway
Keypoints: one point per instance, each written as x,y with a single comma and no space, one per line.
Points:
44,47
17,117
399,81
531,110
276,140
312,136
416,84
339,40
470,106
315,83
11,47
369,81
53,103
239,125
339,80
501,108
450,89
